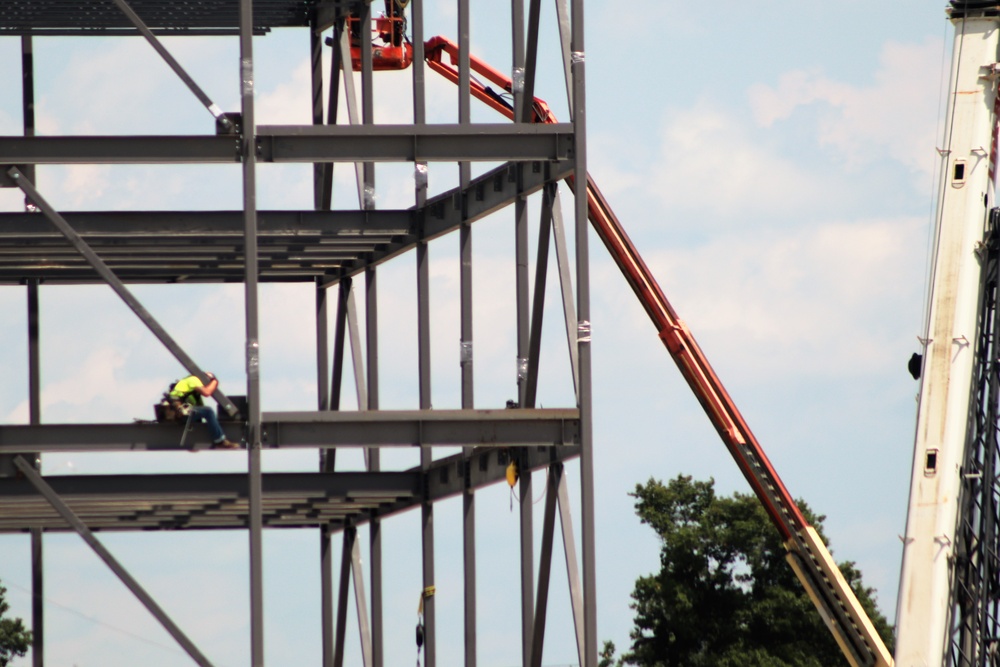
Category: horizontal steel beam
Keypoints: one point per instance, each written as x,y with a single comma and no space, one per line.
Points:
382,428
212,224
423,143
201,487
120,150
310,143
509,428
290,500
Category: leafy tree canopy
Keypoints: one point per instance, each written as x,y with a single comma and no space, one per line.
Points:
724,595
14,637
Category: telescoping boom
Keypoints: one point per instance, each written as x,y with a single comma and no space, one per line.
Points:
807,554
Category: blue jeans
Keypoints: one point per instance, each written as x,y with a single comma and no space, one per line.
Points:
207,414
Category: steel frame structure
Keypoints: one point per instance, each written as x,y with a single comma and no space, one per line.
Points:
975,590
328,248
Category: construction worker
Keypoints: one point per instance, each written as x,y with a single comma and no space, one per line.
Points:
191,390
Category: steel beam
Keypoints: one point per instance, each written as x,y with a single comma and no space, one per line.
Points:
222,224
120,150
36,480
408,143
102,269
384,428
204,486
206,501
305,143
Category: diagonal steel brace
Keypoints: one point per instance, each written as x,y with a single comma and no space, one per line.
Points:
117,285
73,520
174,65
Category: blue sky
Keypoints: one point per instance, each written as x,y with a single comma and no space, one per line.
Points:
773,162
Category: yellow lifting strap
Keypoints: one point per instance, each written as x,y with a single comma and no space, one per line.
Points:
426,593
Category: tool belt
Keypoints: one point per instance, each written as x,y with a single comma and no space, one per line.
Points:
171,409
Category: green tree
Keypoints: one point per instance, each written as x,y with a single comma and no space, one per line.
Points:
725,596
14,637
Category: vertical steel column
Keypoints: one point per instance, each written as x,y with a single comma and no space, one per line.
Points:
321,201
249,154
468,394
35,418
371,332
316,73
374,525
583,340
323,403
350,535
522,106
367,99
34,384
538,299
339,340
423,337
322,351
333,103
545,563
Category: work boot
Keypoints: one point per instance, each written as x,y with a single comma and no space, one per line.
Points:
225,444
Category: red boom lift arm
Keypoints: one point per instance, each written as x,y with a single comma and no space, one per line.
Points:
807,554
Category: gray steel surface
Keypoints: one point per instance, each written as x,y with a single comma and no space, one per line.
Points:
94,17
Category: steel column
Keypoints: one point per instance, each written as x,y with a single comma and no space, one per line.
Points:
587,511
530,61
35,418
538,300
545,563
367,98
375,525
323,400
339,340
350,535
117,285
466,336
248,153
522,109
66,513
424,343
572,569
316,77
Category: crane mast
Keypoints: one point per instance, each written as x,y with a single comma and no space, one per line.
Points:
938,591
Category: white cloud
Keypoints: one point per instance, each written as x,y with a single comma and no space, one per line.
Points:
893,117
709,161
826,299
